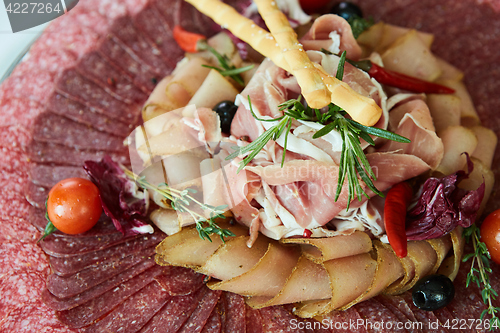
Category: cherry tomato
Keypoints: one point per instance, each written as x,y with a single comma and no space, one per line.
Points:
74,205
490,235
313,6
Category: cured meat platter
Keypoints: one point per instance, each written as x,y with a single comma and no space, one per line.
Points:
79,93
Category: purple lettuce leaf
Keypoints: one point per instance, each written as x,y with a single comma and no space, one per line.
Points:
442,206
121,199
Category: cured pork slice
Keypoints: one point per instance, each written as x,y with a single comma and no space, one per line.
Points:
29,256
19,229
200,315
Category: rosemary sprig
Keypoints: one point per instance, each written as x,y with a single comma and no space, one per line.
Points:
480,274
353,161
181,200
226,68
359,24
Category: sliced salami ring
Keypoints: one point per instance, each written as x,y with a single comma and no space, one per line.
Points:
377,317
36,195
52,128
103,227
13,180
18,229
13,204
70,265
426,317
48,176
16,255
278,319
13,137
173,315
234,313
340,321
213,324
13,160
19,287
253,320
139,308
62,287
75,246
89,312
83,114
47,153
60,304
179,281
200,315
32,317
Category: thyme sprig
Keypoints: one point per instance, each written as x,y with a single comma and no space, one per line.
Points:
359,24
353,161
181,200
226,68
479,274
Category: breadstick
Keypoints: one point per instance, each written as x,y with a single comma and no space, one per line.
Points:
312,86
360,108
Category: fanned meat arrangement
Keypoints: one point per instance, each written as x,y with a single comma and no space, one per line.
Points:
79,94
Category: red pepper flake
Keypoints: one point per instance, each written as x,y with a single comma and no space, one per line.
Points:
396,203
307,233
188,41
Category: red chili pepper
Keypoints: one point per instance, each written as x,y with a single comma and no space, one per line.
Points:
188,41
307,233
398,80
396,202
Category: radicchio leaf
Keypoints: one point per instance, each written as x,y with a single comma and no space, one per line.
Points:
121,199
442,206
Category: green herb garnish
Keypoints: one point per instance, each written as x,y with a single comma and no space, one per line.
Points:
49,227
181,200
227,69
359,24
480,274
353,161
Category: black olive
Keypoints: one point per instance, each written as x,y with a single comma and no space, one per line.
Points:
346,10
226,111
433,292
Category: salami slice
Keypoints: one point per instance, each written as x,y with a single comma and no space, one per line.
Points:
140,307
72,265
398,306
60,304
110,79
48,176
235,313
178,281
16,255
173,315
13,137
19,287
13,204
342,321
19,229
47,153
89,277
32,317
213,324
376,317
80,113
73,85
87,313
200,315
426,317
49,127
13,180
76,246
103,227
278,319
253,320
13,160
36,195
